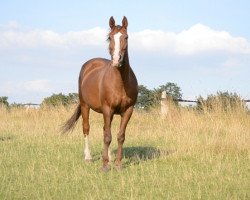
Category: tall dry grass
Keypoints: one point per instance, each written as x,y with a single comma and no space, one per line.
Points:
187,155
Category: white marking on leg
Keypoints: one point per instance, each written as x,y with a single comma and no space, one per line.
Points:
109,154
116,55
86,149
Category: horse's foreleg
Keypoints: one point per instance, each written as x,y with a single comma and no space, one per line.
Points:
85,126
108,117
121,136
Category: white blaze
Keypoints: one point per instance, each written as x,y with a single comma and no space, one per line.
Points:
116,55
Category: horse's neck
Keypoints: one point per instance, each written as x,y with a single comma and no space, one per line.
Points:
126,59
125,69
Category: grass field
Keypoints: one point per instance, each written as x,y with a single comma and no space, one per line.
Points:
188,155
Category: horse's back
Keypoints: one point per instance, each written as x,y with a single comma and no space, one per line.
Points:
92,65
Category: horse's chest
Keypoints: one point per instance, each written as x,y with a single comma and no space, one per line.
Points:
125,100
122,101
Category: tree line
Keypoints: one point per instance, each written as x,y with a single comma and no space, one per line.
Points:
148,98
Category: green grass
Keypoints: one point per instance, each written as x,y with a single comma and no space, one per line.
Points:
186,156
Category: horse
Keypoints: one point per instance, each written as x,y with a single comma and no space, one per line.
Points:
108,87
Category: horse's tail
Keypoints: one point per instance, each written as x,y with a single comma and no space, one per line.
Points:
70,124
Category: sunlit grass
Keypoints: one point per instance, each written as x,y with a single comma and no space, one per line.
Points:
188,155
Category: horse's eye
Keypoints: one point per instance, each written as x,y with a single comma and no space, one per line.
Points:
126,37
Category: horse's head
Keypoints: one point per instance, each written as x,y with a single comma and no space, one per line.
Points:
118,41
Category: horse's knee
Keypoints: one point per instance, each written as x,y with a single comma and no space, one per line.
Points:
121,138
107,139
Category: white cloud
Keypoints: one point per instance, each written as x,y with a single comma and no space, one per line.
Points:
12,38
96,36
153,40
201,38
13,25
197,39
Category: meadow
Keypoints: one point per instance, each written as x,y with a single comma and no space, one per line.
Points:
187,155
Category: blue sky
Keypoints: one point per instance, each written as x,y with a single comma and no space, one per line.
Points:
202,45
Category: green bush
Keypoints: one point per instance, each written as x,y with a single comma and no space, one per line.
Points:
17,105
221,102
4,101
60,99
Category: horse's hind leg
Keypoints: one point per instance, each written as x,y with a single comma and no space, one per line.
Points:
85,127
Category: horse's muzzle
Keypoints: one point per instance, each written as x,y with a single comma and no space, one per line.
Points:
114,64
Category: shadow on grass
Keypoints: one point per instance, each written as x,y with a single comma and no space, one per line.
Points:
137,154
134,155
5,138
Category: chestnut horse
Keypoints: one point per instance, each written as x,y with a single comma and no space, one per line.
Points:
108,87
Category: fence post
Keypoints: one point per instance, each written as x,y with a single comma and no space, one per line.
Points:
164,104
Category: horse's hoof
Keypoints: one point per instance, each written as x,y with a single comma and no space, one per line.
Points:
88,161
118,167
105,168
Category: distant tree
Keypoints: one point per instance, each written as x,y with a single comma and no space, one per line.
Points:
222,101
145,98
4,101
60,99
148,98
172,90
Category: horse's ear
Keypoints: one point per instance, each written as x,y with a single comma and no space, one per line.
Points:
125,22
111,22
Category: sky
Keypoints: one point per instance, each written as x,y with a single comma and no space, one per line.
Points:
201,45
